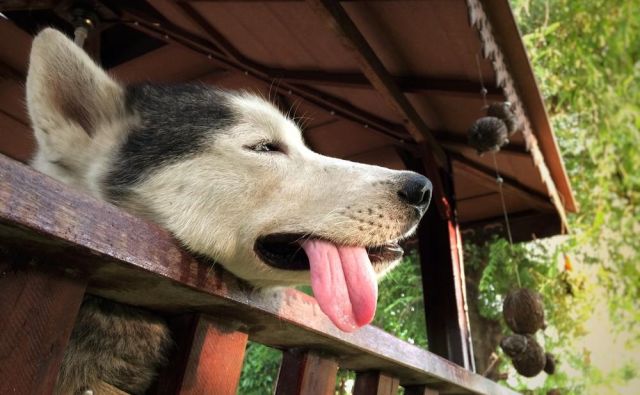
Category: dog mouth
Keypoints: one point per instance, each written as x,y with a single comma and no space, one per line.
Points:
342,277
284,251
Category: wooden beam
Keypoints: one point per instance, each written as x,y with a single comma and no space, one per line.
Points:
9,73
509,185
375,383
27,5
525,226
407,84
38,312
449,140
444,287
112,248
338,20
166,30
306,373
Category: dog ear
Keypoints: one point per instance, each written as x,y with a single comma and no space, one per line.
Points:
66,89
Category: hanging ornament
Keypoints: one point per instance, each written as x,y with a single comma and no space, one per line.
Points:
504,112
488,134
492,132
523,311
526,354
550,363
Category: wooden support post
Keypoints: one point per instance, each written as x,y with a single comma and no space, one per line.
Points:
37,314
443,284
375,383
419,390
306,373
208,358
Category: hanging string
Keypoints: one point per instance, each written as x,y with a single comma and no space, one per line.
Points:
483,89
500,181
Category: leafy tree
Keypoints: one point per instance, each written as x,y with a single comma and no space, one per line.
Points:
587,60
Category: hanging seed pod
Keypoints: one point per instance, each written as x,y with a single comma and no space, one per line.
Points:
487,134
503,111
526,354
523,311
550,363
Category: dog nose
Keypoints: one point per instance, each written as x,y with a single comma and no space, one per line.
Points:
416,190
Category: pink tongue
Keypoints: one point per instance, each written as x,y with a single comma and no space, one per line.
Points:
343,282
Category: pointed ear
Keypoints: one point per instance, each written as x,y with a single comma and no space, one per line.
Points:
64,86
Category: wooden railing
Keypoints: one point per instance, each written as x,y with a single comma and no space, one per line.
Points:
57,243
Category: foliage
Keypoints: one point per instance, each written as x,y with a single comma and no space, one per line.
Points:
587,60
259,370
400,303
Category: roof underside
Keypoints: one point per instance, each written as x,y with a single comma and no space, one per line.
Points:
287,50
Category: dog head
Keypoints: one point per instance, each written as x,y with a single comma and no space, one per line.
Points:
228,174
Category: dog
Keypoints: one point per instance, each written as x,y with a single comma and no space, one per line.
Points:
230,176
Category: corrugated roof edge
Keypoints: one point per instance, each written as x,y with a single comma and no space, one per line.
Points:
497,16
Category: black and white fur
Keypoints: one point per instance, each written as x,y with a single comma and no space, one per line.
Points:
218,169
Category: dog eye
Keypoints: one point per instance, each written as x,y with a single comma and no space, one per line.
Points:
265,146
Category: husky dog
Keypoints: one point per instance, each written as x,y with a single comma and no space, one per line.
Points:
231,178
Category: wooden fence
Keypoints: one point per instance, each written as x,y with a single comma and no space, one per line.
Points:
57,243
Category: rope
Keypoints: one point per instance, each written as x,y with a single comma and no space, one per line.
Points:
500,181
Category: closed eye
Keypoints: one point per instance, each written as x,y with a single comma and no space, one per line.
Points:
265,147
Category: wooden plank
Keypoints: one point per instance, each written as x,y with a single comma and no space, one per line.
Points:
130,260
210,48
38,312
509,185
375,383
372,67
524,226
419,390
208,357
444,287
407,84
306,373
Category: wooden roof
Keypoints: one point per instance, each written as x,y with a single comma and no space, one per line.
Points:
392,83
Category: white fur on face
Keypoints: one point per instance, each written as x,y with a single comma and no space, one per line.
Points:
221,201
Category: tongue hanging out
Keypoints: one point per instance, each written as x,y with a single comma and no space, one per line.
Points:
343,282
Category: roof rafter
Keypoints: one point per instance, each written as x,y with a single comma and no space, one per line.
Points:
372,67
165,30
410,84
510,185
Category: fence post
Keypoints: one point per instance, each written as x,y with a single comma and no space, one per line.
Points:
207,359
37,314
419,390
375,383
306,373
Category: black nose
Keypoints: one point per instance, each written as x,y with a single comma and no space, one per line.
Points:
416,190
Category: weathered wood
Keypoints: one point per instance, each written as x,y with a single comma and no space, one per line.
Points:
37,311
129,260
211,47
375,71
406,84
214,366
444,287
510,185
306,373
209,359
375,383
419,390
